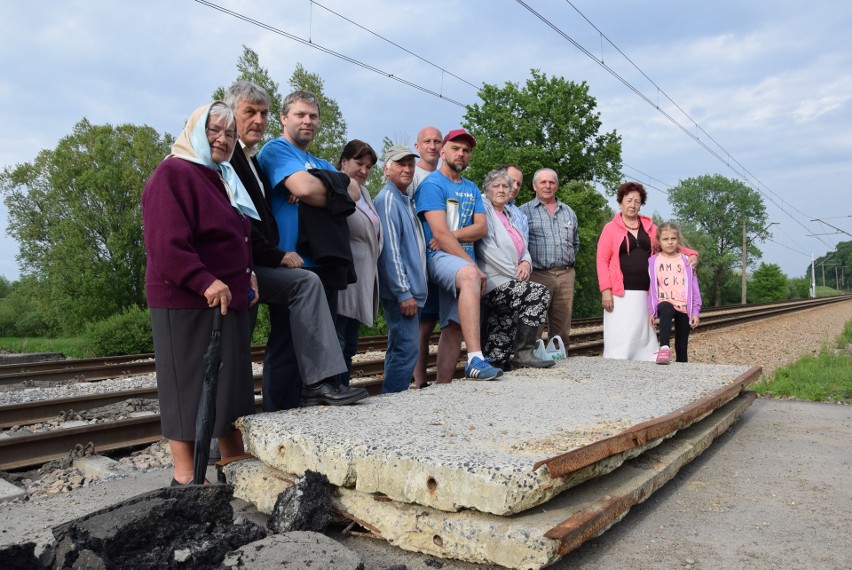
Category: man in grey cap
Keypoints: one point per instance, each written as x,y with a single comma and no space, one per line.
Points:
402,268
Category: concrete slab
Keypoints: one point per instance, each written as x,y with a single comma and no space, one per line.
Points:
294,550
10,491
533,539
499,447
99,467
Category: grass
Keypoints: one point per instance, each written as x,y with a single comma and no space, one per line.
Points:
826,377
73,347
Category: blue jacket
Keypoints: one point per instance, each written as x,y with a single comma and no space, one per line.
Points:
402,262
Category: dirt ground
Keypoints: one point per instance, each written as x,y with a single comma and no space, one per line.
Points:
775,491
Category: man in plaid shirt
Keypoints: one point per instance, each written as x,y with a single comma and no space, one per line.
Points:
553,243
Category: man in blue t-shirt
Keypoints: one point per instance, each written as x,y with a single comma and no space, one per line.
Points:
450,208
285,162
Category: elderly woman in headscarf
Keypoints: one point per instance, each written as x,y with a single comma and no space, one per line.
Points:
197,237
517,307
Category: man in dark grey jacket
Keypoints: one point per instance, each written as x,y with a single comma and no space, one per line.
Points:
303,348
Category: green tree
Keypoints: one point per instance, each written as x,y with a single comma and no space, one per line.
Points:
582,197
376,181
799,288
249,69
767,283
548,122
20,313
835,267
75,212
716,208
331,137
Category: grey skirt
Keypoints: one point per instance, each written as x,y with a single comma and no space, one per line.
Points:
181,337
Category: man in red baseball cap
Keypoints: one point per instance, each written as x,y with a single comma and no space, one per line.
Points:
453,217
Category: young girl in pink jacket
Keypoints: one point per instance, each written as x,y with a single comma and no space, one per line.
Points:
674,296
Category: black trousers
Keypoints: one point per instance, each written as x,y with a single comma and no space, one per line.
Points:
668,315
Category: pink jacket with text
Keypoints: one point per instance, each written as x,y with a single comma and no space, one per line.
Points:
608,264
693,293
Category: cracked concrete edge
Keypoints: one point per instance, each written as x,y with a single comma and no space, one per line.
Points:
419,483
532,539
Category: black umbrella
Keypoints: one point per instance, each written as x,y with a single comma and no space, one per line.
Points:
207,404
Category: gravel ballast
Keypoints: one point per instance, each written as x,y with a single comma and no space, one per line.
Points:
730,509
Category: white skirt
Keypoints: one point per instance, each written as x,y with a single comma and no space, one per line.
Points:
628,334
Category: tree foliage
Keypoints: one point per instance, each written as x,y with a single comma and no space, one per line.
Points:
20,312
376,181
834,269
547,122
767,283
592,213
551,122
716,208
249,69
331,137
75,212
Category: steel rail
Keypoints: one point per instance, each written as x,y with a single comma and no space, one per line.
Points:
585,343
18,451
28,450
29,413
90,368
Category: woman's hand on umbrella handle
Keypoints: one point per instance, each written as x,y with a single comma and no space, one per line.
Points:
218,294
606,300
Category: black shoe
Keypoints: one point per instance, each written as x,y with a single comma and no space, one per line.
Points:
329,393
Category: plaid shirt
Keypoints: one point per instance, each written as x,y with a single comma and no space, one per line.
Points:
553,240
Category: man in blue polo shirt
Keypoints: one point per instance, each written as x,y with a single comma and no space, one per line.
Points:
450,208
285,161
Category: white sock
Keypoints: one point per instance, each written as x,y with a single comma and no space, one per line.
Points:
471,355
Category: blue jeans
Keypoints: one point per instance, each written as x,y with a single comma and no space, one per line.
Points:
403,348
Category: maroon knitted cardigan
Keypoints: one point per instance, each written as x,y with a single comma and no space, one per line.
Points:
193,236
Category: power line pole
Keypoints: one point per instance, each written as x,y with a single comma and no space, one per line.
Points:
745,250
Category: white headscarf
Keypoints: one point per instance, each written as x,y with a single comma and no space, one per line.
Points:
192,145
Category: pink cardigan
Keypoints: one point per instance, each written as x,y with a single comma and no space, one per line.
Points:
608,263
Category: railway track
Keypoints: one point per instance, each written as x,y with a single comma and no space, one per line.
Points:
21,449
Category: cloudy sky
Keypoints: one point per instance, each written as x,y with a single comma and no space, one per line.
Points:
765,84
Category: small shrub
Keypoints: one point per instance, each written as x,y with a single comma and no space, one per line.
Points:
260,334
379,328
128,332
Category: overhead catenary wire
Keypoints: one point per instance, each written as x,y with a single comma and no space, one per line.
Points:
721,154
393,43
329,51
728,160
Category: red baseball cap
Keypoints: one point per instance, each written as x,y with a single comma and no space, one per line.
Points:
459,134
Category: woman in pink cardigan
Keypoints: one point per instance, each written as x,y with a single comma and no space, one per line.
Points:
625,245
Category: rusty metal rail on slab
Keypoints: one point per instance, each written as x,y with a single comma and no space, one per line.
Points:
611,507
642,433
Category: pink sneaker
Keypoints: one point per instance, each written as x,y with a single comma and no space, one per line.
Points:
664,355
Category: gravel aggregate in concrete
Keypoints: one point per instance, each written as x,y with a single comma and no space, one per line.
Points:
484,437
